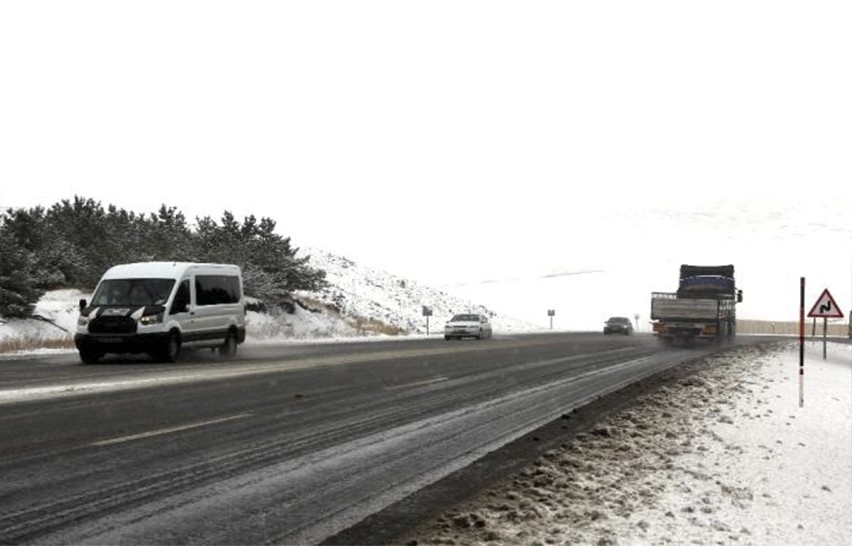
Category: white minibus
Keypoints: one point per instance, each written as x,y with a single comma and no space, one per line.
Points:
160,308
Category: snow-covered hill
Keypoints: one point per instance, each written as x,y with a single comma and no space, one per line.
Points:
363,301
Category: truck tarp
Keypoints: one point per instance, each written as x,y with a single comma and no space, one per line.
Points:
687,271
707,281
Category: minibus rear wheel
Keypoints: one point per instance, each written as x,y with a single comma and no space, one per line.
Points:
229,348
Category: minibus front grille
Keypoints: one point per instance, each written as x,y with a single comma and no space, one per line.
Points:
113,325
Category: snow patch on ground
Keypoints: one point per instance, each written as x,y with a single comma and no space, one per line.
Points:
723,456
55,318
62,307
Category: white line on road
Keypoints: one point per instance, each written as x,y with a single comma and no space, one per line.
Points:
178,377
417,383
169,430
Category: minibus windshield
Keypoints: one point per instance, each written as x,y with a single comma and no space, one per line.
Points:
133,292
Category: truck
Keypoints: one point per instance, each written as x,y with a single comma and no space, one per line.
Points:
702,308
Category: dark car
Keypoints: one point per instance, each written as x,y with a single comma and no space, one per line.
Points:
618,325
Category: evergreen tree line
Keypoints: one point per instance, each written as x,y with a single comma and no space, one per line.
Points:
72,243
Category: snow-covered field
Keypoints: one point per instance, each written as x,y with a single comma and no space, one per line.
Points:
723,456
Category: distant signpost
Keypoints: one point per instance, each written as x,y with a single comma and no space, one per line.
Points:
551,313
427,312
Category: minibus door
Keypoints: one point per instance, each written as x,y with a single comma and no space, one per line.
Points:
183,311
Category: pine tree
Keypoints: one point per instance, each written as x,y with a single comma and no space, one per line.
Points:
165,236
73,242
271,269
18,291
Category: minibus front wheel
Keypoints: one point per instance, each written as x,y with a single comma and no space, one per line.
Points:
87,356
171,350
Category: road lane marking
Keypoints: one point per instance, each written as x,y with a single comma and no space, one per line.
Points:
417,383
169,430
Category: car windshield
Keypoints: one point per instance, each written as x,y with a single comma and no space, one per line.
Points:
465,318
133,292
619,320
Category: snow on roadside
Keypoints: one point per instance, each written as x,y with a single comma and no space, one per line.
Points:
721,456
58,308
62,308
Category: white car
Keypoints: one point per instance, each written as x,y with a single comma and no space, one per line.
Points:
468,325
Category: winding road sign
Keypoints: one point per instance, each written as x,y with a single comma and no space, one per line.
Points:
825,307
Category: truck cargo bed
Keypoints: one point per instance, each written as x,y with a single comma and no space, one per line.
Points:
667,306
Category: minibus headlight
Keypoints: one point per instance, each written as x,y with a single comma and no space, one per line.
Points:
151,319
83,321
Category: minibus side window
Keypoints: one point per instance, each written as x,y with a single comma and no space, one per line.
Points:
216,289
182,298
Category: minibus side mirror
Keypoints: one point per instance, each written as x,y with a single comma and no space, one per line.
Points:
82,304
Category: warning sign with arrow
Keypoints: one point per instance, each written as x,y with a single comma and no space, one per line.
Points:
825,307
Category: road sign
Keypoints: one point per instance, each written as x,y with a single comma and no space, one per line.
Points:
825,307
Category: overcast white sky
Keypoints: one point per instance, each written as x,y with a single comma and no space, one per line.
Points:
453,140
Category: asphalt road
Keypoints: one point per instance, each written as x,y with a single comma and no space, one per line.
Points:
285,444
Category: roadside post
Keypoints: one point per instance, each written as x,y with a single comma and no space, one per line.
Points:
825,308
801,342
550,313
427,312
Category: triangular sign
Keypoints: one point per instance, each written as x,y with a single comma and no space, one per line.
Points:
826,307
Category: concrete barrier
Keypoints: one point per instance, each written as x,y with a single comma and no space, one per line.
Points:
835,328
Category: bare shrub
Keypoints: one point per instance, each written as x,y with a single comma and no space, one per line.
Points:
33,342
376,326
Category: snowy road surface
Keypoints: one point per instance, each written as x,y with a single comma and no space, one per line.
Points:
278,449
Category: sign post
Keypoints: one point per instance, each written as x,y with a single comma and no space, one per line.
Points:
427,312
825,308
550,313
801,342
